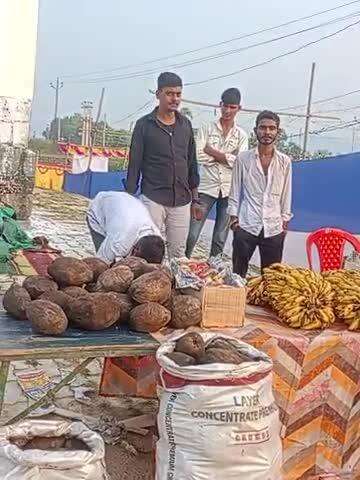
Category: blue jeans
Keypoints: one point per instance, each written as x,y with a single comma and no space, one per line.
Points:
221,228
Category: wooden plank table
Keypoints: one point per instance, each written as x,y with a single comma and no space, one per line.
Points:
18,342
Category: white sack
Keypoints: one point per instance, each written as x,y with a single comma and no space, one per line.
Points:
218,421
18,464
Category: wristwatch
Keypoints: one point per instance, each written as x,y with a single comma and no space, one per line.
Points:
195,201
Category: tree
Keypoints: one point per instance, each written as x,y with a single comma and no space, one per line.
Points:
70,128
47,147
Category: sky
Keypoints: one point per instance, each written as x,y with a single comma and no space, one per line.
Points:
85,36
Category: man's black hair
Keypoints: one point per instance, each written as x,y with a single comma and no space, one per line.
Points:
231,96
151,248
268,115
169,79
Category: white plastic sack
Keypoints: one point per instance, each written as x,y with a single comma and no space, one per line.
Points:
218,421
17,464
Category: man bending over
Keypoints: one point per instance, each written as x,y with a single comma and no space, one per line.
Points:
120,225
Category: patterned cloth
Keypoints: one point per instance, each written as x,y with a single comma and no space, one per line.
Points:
317,390
32,262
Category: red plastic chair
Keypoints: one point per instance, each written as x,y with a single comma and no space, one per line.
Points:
330,243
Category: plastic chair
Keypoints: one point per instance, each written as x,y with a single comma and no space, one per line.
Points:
330,243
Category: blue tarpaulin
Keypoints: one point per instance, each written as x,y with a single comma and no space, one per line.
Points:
325,192
89,183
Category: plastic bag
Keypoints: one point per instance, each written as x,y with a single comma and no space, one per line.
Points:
18,464
218,421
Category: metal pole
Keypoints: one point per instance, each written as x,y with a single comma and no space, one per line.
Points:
58,85
93,131
254,110
104,132
300,137
353,136
308,110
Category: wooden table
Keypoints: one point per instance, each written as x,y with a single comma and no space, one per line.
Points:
18,342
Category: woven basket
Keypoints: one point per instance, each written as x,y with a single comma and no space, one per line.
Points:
223,307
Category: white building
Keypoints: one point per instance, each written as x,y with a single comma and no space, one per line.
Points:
18,36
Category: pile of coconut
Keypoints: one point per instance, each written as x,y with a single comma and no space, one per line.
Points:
89,294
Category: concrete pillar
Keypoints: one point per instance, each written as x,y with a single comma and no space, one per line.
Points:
18,38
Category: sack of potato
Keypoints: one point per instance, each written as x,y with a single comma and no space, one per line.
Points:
216,406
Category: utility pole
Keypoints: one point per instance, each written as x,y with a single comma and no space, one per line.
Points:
104,132
58,85
300,137
93,132
308,110
87,123
353,136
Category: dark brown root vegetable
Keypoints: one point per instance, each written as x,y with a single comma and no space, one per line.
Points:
58,297
126,305
97,311
151,287
115,280
91,287
222,343
96,265
192,344
221,355
181,359
36,285
169,303
75,292
15,301
186,311
69,271
136,264
45,443
149,317
46,317
151,267
193,293
156,267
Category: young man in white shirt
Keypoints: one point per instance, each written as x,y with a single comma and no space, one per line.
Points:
218,144
260,198
120,225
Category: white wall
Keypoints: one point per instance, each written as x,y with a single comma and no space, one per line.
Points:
18,37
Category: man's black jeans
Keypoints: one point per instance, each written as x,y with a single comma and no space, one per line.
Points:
244,245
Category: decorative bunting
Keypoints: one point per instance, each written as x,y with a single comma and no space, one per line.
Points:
73,149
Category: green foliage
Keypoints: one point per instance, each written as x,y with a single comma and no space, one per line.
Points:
43,146
71,127
116,164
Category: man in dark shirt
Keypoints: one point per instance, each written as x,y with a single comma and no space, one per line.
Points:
163,153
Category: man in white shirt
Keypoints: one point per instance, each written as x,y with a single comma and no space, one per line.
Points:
218,144
260,198
120,225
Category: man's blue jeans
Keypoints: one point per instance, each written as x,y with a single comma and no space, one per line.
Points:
221,228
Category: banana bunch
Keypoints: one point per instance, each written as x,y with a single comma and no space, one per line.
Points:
300,297
346,287
256,293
